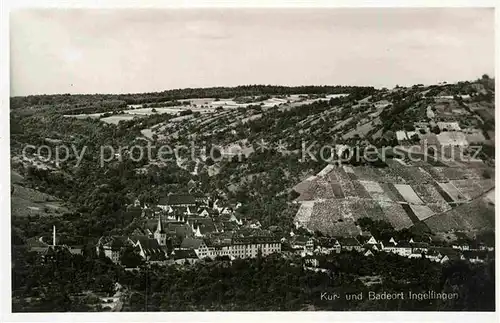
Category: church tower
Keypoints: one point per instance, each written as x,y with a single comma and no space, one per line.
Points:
160,234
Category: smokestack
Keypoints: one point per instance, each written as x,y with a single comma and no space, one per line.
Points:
54,236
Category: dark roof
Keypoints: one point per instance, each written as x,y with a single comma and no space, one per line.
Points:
146,242
179,229
206,225
177,199
218,242
300,239
191,243
327,242
369,246
388,243
114,242
157,256
254,240
364,239
450,252
404,244
185,254
200,219
349,241
432,252
205,208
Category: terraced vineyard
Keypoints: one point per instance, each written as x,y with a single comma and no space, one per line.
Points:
442,198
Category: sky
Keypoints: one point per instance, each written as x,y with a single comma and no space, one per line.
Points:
146,50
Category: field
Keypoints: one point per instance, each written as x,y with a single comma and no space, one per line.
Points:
117,118
408,194
440,197
477,215
30,202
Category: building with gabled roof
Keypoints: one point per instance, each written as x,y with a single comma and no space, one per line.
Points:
198,245
419,247
368,252
349,244
372,240
204,212
183,256
328,245
447,254
373,247
112,246
191,243
148,248
403,248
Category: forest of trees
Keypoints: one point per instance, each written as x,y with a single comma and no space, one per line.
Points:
77,101
265,284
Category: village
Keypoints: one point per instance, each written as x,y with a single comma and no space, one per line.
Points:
184,229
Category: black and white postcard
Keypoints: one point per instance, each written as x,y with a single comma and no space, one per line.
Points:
232,159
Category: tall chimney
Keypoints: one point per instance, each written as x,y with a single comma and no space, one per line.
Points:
54,236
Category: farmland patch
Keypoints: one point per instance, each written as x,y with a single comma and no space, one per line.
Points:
375,191
392,192
422,212
304,213
337,190
408,193
411,214
117,118
452,192
346,184
373,209
486,184
476,215
454,173
396,215
468,188
360,190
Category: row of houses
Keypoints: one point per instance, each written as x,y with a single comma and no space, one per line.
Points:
308,247
187,204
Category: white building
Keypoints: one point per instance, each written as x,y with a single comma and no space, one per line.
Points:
241,247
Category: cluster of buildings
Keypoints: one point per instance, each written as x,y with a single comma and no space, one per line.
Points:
310,248
185,228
